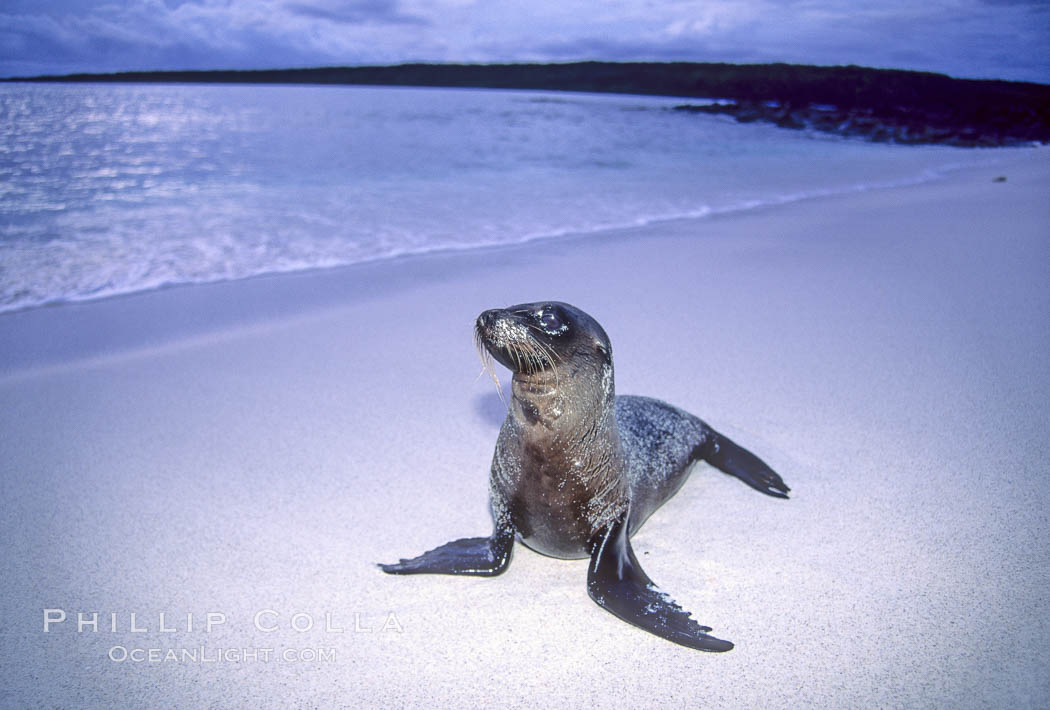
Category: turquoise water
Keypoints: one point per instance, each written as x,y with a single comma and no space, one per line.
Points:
112,189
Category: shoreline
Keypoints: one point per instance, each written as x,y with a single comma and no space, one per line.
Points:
882,104
332,277
927,175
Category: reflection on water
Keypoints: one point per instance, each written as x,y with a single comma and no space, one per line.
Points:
110,189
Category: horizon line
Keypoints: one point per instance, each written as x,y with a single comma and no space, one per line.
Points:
82,75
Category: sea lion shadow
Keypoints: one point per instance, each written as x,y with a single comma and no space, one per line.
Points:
490,409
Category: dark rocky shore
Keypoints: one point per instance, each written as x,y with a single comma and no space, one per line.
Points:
876,104
904,125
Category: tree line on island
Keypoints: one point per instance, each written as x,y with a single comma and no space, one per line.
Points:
877,104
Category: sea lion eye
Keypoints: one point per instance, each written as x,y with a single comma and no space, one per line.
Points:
548,319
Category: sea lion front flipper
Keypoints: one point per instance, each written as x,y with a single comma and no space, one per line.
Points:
480,556
618,584
731,458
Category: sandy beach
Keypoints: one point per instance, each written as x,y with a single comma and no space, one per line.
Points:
251,449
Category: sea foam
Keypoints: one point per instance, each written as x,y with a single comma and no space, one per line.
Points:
114,189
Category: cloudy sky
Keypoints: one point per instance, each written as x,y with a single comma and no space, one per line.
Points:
973,38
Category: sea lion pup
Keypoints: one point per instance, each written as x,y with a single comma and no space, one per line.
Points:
577,470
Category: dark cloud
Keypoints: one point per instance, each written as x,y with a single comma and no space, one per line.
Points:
978,38
356,12
1035,4
103,42
604,48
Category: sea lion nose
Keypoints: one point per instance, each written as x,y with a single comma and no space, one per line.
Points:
486,319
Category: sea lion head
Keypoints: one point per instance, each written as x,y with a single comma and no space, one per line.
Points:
547,342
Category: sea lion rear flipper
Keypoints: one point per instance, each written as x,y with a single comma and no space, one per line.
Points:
480,556
729,457
618,584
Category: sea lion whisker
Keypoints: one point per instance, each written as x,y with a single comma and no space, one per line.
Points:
486,367
552,354
547,352
540,354
486,363
528,350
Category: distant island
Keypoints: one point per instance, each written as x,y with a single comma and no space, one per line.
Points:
876,104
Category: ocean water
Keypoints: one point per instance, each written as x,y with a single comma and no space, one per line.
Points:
113,189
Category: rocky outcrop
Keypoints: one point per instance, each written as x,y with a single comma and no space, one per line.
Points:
907,125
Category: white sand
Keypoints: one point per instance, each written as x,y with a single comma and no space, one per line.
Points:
259,445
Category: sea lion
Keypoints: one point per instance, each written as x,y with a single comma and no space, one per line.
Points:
577,469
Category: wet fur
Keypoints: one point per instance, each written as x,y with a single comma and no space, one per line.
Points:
577,470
